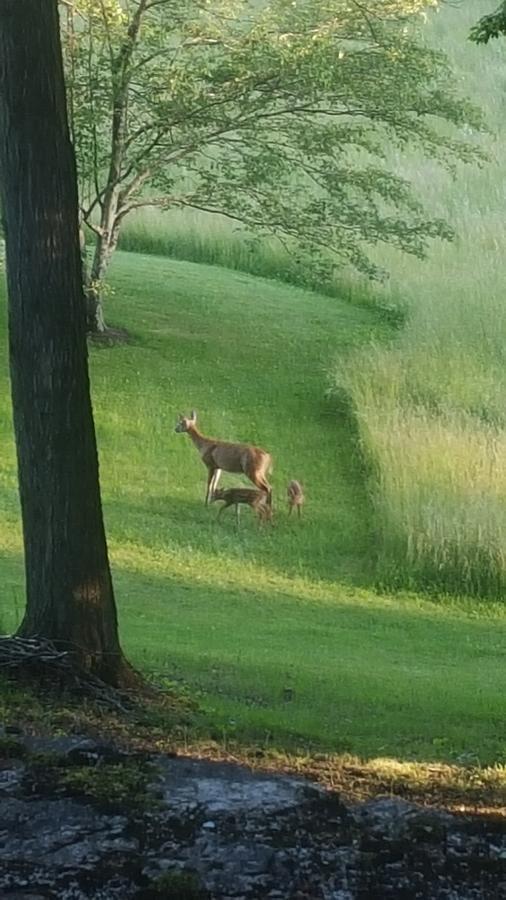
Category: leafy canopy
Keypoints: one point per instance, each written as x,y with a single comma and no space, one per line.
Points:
491,26
275,114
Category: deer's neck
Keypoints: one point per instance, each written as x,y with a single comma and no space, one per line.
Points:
201,442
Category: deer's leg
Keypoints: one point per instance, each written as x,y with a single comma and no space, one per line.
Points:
258,478
290,508
215,480
210,479
262,484
226,504
299,510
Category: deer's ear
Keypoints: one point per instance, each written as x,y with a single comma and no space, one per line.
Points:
193,415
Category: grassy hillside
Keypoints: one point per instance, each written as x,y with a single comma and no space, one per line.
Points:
431,407
239,616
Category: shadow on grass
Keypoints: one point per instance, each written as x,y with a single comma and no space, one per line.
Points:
396,686
393,680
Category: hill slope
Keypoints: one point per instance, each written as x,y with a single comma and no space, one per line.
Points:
242,615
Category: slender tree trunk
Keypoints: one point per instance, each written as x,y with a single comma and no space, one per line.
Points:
95,323
107,240
105,246
70,596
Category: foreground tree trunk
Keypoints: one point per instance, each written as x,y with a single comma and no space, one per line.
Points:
70,596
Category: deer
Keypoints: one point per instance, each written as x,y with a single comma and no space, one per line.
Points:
226,456
295,497
258,500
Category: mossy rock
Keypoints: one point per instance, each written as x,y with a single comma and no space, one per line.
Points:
10,748
174,886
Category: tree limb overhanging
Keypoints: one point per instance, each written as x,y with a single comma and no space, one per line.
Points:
490,26
276,116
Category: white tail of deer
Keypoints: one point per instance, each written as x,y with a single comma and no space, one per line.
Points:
225,456
295,497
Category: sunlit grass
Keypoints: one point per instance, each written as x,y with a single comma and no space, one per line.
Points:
431,407
206,238
279,631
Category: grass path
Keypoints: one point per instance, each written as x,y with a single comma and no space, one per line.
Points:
240,617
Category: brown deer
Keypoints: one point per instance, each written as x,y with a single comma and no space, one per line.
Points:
258,500
295,497
225,456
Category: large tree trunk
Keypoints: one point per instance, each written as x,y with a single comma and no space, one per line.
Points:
69,589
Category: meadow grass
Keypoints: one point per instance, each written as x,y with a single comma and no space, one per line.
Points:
240,616
196,236
430,407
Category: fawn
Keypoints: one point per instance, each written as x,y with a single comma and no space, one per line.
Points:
295,497
258,500
227,456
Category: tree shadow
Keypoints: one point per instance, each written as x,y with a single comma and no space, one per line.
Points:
345,677
301,679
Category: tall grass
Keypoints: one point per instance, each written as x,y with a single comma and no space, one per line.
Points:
431,407
208,238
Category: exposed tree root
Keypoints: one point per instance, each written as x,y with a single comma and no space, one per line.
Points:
38,661
110,337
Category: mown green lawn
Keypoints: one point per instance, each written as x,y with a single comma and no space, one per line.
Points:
239,616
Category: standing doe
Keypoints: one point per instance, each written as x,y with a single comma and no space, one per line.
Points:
225,456
295,497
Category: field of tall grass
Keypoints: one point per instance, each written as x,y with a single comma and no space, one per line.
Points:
430,406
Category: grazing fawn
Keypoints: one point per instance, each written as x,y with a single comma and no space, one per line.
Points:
258,500
225,456
295,497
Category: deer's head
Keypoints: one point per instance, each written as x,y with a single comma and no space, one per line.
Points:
186,422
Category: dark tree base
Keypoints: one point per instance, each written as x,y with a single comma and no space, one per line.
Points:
39,664
111,337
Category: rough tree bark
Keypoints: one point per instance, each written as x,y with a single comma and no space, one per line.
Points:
70,596
104,249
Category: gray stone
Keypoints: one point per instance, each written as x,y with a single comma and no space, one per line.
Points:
245,835
222,788
399,820
11,779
